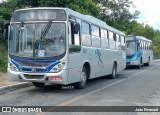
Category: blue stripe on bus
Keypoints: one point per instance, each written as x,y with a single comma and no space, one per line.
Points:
137,55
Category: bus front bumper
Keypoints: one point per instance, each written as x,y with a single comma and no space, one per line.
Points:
55,78
132,62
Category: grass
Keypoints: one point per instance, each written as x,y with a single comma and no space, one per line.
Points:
3,56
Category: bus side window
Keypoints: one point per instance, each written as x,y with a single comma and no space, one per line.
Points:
75,37
122,42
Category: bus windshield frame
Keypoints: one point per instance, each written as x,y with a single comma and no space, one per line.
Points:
37,40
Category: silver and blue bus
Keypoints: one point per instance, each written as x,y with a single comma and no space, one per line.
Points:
62,46
139,51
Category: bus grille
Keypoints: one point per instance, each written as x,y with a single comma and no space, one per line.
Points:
33,76
38,64
38,70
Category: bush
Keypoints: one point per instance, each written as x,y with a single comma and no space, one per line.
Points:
3,51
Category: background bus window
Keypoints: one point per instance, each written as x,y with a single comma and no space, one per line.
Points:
118,44
139,44
144,45
122,42
111,40
147,45
104,39
86,38
74,40
95,36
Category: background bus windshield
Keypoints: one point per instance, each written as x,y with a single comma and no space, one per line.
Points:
37,39
131,48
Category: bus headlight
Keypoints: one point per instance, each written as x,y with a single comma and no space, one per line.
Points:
12,66
58,67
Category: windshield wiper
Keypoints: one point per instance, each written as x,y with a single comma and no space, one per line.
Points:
46,29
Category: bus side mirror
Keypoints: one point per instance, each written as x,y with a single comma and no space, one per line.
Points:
76,28
5,30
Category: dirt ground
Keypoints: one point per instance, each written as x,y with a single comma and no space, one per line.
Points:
4,81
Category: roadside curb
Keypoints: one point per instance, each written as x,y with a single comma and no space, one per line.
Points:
14,87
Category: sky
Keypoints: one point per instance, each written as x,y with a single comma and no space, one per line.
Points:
149,12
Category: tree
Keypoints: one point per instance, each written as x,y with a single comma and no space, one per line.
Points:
83,6
116,12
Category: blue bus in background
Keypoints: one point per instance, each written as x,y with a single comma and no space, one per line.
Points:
138,51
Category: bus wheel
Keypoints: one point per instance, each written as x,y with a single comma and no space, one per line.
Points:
36,84
114,71
148,63
83,80
140,65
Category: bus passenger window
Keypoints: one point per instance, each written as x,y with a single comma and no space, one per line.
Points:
75,37
122,42
85,36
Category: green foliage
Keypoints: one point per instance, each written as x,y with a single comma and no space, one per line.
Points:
117,11
156,45
82,6
3,55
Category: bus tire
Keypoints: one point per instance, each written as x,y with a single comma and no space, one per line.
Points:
140,65
83,80
148,63
36,84
114,71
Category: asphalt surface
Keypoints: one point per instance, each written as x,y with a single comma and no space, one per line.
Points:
132,87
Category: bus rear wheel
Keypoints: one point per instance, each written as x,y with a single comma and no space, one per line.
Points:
140,65
114,71
36,84
148,63
83,80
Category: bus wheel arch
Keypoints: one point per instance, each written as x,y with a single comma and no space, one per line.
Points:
84,76
140,63
114,70
88,69
148,63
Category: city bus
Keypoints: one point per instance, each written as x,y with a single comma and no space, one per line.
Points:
61,46
138,51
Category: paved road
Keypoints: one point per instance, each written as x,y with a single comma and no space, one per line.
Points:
132,87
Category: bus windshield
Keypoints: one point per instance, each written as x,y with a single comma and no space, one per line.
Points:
131,48
37,39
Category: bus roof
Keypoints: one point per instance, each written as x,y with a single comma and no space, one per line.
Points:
88,18
140,38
